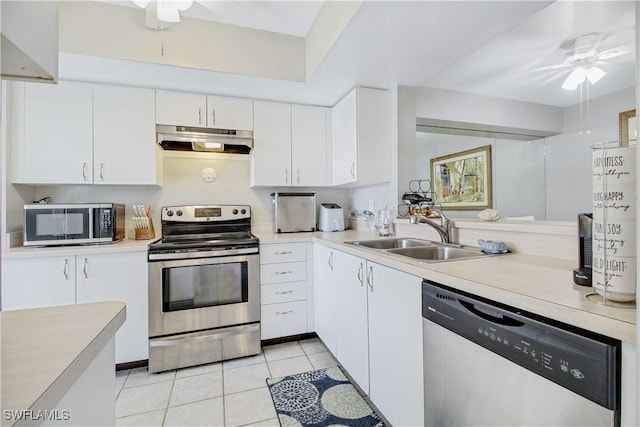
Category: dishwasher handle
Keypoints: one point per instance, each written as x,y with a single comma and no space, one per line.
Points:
500,319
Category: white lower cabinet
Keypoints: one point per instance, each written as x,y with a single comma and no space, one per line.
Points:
284,274
370,318
63,280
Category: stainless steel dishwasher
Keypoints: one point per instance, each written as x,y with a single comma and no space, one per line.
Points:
487,364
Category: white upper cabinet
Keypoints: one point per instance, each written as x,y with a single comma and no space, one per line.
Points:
271,153
290,145
181,109
309,126
124,135
362,138
229,113
191,109
58,134
79,133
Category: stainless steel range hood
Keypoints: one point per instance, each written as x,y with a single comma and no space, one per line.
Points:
185,138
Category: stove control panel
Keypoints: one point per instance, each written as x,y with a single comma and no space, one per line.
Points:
205,213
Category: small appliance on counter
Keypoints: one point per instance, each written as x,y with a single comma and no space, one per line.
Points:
331,217
582,274
73,224
294,212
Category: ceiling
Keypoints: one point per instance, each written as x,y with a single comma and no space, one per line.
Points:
484,47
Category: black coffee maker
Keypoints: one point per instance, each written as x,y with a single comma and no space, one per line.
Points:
582,274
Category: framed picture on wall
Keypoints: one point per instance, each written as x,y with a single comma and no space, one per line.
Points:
462,181
627,128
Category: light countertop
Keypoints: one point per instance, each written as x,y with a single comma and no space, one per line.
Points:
126,245
45,350
540,285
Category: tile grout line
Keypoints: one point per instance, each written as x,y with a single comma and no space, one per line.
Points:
166,410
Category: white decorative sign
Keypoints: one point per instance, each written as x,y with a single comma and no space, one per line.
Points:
614,222
208,175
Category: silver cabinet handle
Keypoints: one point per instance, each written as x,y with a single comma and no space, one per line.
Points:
85,268
284,253
284,312
213,117
84,171
65,270
199,116
284,272
298,173
360,278
286,176
284,292
353,170
331,261
101,171
370,278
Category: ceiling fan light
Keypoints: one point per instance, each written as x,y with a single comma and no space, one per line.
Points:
594,74
167,12
574,79
182,4
142,3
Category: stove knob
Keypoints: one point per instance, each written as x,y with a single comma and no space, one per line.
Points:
235,211
243,211
179,213
169,213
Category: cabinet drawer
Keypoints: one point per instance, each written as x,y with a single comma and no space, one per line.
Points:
283,273
283,292
281,320
290,252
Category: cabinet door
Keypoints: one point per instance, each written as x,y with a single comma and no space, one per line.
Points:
271,154
374,136
58,133
229,113
395,344
325,297
124,135
38,282
181,109
345,138
120,277
309,145
352,336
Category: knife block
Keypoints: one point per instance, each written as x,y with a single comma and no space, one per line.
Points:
145,233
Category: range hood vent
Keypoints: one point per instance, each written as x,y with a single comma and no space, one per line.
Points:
185,138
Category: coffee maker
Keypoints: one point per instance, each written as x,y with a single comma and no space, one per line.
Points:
582,274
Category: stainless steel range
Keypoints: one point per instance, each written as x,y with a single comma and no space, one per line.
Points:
204,289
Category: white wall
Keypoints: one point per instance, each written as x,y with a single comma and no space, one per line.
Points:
568,155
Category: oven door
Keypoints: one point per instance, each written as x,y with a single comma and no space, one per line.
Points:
188,295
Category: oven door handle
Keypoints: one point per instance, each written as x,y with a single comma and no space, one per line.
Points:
202,254
206,335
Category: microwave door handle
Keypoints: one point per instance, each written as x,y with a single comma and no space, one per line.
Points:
92,220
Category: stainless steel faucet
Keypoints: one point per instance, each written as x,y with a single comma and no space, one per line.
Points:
443,229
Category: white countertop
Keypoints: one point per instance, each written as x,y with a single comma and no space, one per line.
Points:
45,350
126,245
536,284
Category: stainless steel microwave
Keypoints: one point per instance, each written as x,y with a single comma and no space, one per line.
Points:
73,224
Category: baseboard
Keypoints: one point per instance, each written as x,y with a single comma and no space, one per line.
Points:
132,365
290,338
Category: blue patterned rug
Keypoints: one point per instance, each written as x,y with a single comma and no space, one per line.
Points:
320,398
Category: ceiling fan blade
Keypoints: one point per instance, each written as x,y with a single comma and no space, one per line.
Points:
574,79
612,53
552,67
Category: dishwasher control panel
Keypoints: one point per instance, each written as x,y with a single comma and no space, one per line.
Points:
581,361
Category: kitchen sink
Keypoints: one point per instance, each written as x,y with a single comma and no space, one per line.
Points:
438,253
392,243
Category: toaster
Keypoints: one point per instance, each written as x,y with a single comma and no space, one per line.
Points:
331,217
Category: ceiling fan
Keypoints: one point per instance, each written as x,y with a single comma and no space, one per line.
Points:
583,61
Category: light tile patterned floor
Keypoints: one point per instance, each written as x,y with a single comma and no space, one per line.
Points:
231,393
